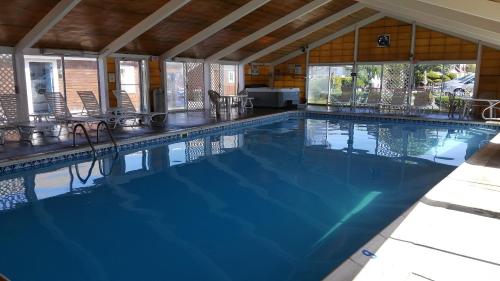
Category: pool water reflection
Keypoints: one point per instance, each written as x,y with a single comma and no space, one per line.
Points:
285,201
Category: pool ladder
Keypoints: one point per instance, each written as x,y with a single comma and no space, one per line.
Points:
87,137
491,108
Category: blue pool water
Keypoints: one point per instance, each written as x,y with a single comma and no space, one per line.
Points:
285,201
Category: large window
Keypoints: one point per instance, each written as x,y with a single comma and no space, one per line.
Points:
444,80
328,83
369,79
224,79
81,75
43,74
66,75
130,81
176,85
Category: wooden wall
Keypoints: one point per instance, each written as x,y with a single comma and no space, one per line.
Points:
111,85
284,79
336,51
262,79
489,78
400,47
433,45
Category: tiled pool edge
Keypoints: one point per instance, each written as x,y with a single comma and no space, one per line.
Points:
82,153
353,266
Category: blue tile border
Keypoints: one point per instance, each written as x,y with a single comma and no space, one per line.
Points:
44,160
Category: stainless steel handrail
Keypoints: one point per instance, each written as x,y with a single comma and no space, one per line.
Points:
490,108
109,133
86,136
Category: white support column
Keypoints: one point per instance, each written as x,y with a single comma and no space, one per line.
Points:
355,69
118,83
163,12
164,81
21,87
268,29
145,85
304,32
45,24
214,28
411,79
479,59
306,86
102,66
241,77
206,84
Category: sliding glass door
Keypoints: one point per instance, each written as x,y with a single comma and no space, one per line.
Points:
131,81
176,86
328,83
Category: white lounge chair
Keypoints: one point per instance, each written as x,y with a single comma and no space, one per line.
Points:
127,108
397,101
9,122
62,114
422,100
344,99
373,100
92,108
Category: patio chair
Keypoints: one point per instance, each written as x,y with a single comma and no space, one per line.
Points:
92,108
9,122
127,108
422,100
373,101
62,114
215,102
344,99
397,101
243,100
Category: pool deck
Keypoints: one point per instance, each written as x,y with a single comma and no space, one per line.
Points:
449,234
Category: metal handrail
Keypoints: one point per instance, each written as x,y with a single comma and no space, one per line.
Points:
491,107
109,133
86,136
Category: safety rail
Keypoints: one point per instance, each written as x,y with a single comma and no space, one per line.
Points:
495,106
80,125
109,134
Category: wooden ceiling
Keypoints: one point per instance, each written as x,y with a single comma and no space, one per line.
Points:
291,28
256,20
93,24
315,36
18,17
186,22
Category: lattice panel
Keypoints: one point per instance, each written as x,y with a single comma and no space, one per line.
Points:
195,86
7,84
217,78
395,78
12,193
195,149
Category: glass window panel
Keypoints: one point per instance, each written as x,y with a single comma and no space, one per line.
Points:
176,83
81,75
43,74
318,88
130,81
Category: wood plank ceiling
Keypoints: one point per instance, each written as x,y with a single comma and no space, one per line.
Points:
18,17
93,24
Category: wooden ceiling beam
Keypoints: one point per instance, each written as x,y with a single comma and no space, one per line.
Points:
214,28
163,12
45,24
443,22
268,29
330,37
480,8
304,32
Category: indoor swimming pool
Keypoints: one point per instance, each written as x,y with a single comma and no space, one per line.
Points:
289,200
